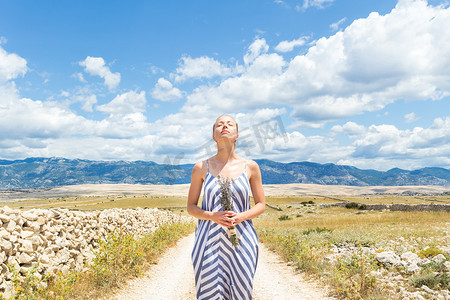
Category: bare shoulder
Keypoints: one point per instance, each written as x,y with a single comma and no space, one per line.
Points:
252,163
253,168
199,169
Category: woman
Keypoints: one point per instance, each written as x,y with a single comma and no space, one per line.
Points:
224,269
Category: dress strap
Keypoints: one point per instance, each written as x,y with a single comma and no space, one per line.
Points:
207,165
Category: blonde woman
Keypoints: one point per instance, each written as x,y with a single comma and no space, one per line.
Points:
225,252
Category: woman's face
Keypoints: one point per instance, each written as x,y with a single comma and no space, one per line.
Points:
225,128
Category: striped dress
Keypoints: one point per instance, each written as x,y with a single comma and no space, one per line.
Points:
223,271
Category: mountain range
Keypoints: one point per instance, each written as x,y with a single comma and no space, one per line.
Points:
50,172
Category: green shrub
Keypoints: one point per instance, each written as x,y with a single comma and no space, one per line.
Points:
429,252
433,276
119,257
307,202
354,205
284,218
317,229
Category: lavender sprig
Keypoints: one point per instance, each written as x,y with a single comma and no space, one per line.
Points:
227,204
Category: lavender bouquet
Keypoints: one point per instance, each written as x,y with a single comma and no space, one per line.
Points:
227,204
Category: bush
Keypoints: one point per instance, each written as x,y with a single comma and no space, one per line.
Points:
307,202
354,205
317,229
433,276
119,257
430,252
284,218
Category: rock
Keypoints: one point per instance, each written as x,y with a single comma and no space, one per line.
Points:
29,216
413,268
388,258
410,257
26,234
11,226
24,258
41,221
427,289
14,237
447,265
424,262
417,296
5,245
4,234
4,269
445,249
62,256
44,259
410,261
25,269
62,240
27,246
36,240
12,261
438,258
4,218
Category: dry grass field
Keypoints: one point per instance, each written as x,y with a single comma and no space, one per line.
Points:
336,245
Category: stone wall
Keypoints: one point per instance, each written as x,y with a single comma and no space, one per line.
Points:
397,207
62,240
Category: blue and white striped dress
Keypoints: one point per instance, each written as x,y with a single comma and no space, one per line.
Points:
223,271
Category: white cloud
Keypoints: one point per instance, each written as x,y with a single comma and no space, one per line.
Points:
24,118
201,67
390,143
123,126
258,47
87,101
287,46
165,91
337,25
79,76
11,65
315,3
411,117
96,66
351,129
155,70
126,103
373,62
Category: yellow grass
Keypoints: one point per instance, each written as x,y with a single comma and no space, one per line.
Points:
93,203
386,224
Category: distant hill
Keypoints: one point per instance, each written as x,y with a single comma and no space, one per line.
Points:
51,172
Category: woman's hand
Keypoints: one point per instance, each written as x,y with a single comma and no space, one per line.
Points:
224,218
238,218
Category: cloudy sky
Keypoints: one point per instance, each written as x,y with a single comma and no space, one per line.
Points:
362,83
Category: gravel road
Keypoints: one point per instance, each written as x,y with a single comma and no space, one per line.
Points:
173,278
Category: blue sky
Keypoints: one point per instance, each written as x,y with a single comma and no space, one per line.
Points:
362,83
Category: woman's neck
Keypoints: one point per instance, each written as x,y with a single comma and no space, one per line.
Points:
225,152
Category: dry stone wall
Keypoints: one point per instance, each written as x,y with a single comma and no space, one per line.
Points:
62,240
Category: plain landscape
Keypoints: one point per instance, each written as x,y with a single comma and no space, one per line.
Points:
328,233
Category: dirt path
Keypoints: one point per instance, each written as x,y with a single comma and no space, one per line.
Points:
173,278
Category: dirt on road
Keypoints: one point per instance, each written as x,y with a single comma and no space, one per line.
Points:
173,278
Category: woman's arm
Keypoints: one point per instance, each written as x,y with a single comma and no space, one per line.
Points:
258,195
219,217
